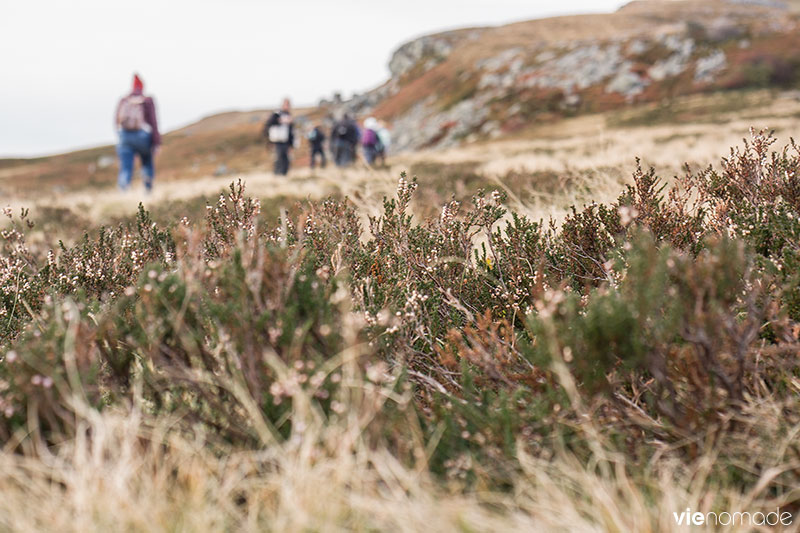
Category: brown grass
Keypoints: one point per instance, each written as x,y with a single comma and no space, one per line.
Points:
545,168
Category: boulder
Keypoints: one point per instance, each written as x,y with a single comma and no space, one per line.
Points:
707,67
627,82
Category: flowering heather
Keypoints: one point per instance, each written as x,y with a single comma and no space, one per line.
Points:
658,330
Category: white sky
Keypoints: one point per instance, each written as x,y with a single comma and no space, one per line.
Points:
65,63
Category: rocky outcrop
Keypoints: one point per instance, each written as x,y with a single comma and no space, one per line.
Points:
424,125
708,66
494,80
426,51
572,70
627,82
681,50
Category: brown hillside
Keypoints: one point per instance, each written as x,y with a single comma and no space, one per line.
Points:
496,80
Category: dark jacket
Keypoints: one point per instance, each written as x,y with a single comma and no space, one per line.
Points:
274,120
345,131
316,138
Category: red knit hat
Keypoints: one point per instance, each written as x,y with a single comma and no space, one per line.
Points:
138,86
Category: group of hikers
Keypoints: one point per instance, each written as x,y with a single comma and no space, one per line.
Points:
137,126
344,137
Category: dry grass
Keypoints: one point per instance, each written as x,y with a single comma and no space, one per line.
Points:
591,158
594,158
124,472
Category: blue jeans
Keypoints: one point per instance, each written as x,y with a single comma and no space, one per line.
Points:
130,144
370,153
282,158
345,153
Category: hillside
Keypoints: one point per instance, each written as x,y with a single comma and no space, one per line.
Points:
488,82
481,84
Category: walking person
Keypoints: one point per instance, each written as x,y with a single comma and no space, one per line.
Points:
137,126
385,138
344,139
370,141
316,138
279,130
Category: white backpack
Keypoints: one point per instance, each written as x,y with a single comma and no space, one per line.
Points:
131,113
279,133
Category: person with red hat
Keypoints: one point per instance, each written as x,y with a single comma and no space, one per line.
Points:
137,126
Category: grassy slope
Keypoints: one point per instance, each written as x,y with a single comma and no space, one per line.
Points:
232,139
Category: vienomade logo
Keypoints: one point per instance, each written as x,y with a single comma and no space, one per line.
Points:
774,518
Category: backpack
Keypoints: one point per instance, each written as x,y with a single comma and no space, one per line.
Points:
131,113
342,130
278,128
370,138
279,133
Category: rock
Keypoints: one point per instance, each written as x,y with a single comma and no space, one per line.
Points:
677,62
500,61
490,80
361,104
589,66
547,55
423,125
678,44
627,82
636,47
515,109
709,65
667,68
435,48
578,69
723,29
490,127
105,161
502,70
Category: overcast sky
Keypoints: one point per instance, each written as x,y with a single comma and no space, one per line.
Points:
64,64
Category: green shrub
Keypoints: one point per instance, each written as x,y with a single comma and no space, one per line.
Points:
667,317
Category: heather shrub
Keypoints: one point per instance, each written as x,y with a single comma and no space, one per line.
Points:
685,323
662,327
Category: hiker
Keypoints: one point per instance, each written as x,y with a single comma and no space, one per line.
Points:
385,138
136,124
344,139
370,141
279,131
316,138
